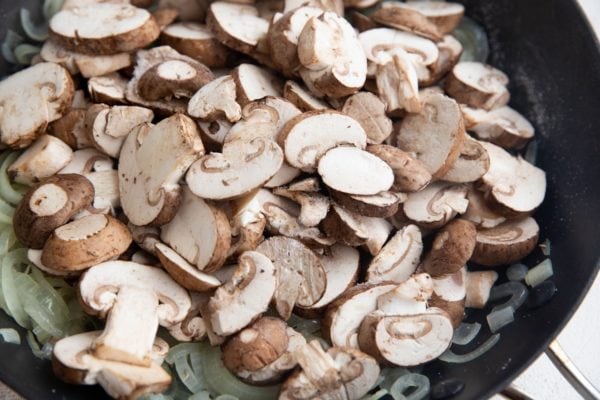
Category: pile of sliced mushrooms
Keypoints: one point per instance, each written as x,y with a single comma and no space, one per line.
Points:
266,156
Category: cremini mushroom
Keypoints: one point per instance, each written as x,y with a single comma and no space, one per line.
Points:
410,174
502,126
452,248
45,157
479,285
254,83
108,89
183,272
396,15
437,204
193,326
70,128
369,111
35,258
313,206
302,98
478,211
398,84
380,205
472,163
173,78
449,294
478,85
216,99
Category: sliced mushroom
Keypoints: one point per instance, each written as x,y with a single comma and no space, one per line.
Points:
479,285
444,15
205,244
302,98
300,274
398,85
45,94
409,297
48,205
246,295
255,83
398,259
506,243
145,236
70,128
304,144
108,89
197,41
213,133
282,222
410,174
189,10
216,99
450,51
502,126
237,26
369,111
45,157
135,299
472,163
478,85
35,258
435,134
380,45
336,6
193,326
449,294
183,272
285,175
104,28
313,206
85,242
380,205
173,78
452,248
437,204
396,15
152,160
479,213
246,234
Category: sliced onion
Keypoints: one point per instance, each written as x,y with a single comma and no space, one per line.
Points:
516,290
25,52
10,335
450,357
516,272
499,318
38,307
546,248
200,396
51,7
411,380
391,375
465,333
43,353
12,298
531,152
539,273
38,33
378,395
226,397
7,191
474,40
11,40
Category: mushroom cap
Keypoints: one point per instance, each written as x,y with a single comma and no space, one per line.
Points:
410,174
35,258
355,230
452,248
437,204
380,205
183,272
502,126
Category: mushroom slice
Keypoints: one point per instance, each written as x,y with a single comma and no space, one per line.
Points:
398,85
216,99
283,222
173,78
242,167
104,28
304,144
152,160
516,185
380,205
86,161
478,85
204,245
381,43
437,204
502,126
479,285
183,272
73,363
85,242
410,174
313,206
246,295
506,243
452,248
109,126
45,94
145,236
333,63
472,163
188,10
285,175
237,26
106,189
341,265
246,235
449,294
435,134
44,158
344,316
135,298
450,51
108,89
300,274
369,111
302,98
35,258
48,205
409,297
444,15
70,128
213,133
479,213
254,83
197,41
354,171
408,19
193,327
399,258
407,340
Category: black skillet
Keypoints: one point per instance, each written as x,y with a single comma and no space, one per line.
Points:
549,50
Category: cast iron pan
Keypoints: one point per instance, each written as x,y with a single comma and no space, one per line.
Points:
549,51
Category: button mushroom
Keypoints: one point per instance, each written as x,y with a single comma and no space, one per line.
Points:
45,157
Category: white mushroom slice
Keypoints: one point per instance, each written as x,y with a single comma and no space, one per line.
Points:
145,236
397,84
472,163
45,94
135,298
193,327
394,15
70,128
85,242
152,160
246,295
313,206
478,287
258,203
380,205
450,51
104,28
444,15
213,133
109,89
502,126
239,169
254,83
506,243
304,144
437,204
35,258
451,249
109,126
282,222
285,175
73,363
381,43
344,316
449,294
189,10
197,41
369,111
410,174
332,58
183,272
216,99
513,182
106,190
237,26
435,134
478,85
300,274
45,157
88,65
173,78
354,171
205,245
302,98
479,213
409,297
399,258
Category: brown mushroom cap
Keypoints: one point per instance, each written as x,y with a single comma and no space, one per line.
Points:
380,205
410,174
173,78
502,126
355,230
478,85
452,248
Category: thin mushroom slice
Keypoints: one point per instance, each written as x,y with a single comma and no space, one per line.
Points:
444,15
394,15
70,128
300,274
380,205
369,111
450,50
435,134
409,297
478,85
502,126
108,89
472,163
380,44
506,243
193,326
237,26
173,78
478,211
410,174
213,133
478,287
284,222
183,272
45,157
452,248
399,258
437,204
216,99
35,258
313,206
398,85
152,160
302,98
104,28
254,83
449,294
145,236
